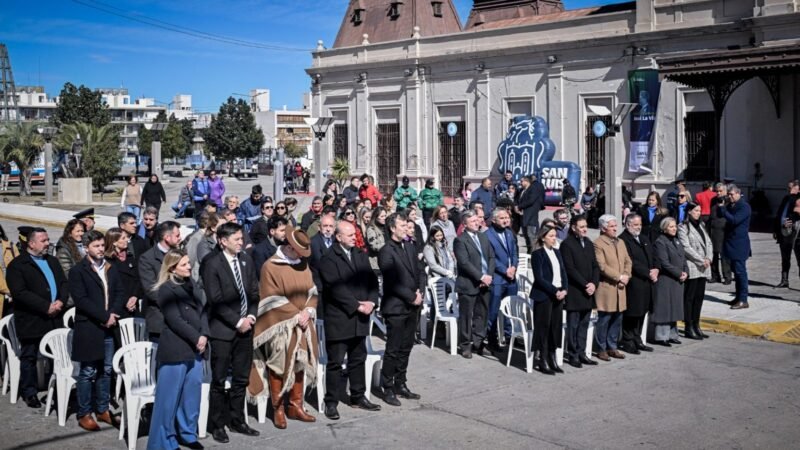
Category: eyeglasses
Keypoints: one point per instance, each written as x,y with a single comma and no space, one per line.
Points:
681,196
267,207
349,213
731,194
281,207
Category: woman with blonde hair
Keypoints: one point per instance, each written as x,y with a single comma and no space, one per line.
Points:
181,350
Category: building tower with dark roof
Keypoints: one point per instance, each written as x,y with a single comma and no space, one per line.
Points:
484,11
392,20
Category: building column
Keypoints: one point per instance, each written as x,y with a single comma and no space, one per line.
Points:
555,100
644,16
413,128
482,132
364,151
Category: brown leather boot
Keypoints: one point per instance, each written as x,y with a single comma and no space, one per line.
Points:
275,386
88,423
296,410
108,418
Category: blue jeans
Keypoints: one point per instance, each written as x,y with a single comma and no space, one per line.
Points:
177,400
97,373
606,332
499,291
739,267
135,210
180,208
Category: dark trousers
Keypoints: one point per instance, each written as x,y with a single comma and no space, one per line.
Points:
356,351
547,325
739,267
723,272
632,331
472,318
693,292
234,357
28,379
577,329
786,253
399,342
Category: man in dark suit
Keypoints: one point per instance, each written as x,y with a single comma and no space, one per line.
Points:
96,289
231,286
137,246
261,252
736,246
260,229
320,244
504,277
350,289
168,235
580,262
39,289
781,224
641,288
475,266
402,297
531,201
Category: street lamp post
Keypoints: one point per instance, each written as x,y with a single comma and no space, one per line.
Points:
320,127
155,147
48,133
615,162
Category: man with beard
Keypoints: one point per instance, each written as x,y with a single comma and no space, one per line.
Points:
168,235
250,209
641,286
312,214
137,246
276,235
147,229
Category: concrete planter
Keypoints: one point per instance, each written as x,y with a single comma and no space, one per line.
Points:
76,191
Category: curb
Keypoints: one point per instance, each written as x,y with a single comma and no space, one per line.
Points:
786,332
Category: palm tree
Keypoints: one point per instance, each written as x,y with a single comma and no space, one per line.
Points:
21,143
341,171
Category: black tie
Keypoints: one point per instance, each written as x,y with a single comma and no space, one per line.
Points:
240,287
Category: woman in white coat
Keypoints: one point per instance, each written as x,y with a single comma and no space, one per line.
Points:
699,253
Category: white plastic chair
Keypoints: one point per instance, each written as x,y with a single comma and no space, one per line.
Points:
374,356
644,327
524,266
524,285
322,362
57,345
560,350
11,373
517,310
69,318
136,365
131,329
590,333
205,393
443,305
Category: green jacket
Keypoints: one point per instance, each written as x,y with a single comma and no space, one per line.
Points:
404,200
430,198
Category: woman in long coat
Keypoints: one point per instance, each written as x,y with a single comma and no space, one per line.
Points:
286,328
699,253
668,301
548,293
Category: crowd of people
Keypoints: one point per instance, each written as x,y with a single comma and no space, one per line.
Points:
246,289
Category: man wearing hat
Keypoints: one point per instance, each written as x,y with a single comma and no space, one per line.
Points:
231,286
39,289
87,217
404,195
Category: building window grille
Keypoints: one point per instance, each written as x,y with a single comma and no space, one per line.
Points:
698,127
394,10
437,9
358,16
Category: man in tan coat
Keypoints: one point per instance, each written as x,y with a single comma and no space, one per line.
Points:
615,272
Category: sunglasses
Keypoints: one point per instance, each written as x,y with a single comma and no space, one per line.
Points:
682,196
281,207
267,207
349,213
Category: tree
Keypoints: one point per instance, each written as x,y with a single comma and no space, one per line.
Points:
21,143
233,133
145,136
101,158
294,151
173,140
80,104
340,170
187,126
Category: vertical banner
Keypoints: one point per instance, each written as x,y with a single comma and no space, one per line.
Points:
643,88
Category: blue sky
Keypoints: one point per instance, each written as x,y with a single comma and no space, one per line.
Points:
55,41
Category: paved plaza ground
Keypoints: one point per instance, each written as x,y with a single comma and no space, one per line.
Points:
724,392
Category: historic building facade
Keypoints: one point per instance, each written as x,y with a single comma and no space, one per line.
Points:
400,72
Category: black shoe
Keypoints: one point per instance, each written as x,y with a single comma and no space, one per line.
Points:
243,428
361,403
689,333
405,392
467,353
727,281
629,348
551,363
576,363
480,350
220,436
193,445
588,361
33,402
390,398
540,364
644,348
674,341
784,280
662,343
331,412
699,332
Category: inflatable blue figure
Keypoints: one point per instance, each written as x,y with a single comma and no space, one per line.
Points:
528,149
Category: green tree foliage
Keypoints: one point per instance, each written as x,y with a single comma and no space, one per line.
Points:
341,171
21,143
173,139
294,151
233,132
187,127
80,104
146,136
101,157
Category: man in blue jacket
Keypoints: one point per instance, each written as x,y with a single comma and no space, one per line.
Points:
485,195
736,246
504,279
201,192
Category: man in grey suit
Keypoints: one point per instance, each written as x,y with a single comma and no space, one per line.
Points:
475,265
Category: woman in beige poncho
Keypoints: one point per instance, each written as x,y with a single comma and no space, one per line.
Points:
286,328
